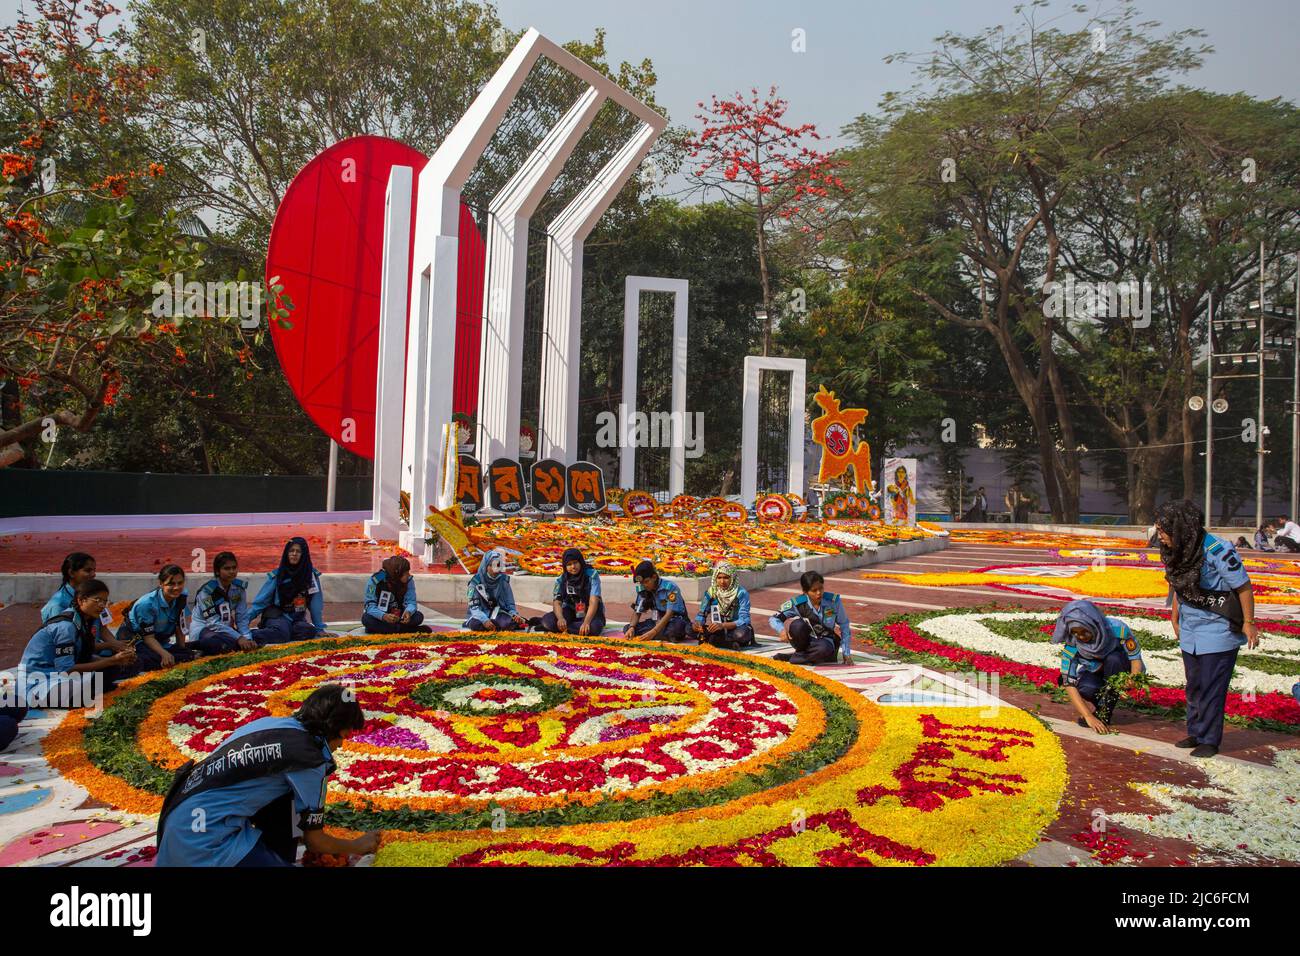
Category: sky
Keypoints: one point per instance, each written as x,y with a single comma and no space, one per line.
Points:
702,47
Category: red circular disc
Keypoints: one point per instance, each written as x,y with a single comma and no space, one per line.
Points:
326,248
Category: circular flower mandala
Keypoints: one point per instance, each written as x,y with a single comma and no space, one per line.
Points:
500,750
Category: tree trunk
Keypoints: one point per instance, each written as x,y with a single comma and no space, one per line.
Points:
763,277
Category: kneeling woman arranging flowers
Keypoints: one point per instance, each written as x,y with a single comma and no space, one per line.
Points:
235,806
1094,649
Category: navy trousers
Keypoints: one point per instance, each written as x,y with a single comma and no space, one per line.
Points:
1092,684
552,624
377,625
9,719
674,630
742,636
1207,693
284,630
503,621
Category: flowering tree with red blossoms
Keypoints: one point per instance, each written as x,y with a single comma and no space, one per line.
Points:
85,234
748,153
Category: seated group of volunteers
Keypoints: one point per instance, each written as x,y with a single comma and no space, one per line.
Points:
235,807
162,628
814,623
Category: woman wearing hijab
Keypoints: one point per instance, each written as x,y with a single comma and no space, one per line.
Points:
391,605
1213,613
575,602
491,602
1094,648
723,619
291,602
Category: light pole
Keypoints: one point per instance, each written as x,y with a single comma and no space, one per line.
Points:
1259,422
1209,412
1295,402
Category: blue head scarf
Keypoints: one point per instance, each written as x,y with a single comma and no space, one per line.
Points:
1088,615
491,585
293,579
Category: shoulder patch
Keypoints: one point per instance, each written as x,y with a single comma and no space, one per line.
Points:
1130,644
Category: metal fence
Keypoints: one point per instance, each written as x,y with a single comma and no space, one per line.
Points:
29,492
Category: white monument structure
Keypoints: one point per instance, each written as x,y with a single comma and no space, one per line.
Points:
754,366
632,289
418,311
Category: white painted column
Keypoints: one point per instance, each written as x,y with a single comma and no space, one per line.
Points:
562,322
754,365
633,286
385,520
500,381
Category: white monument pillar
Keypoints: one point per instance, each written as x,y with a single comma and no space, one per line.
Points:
754,364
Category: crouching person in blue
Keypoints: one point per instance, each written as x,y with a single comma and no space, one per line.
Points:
658,610
219,623
237,806
576,604
814,624
1213,614
59,666
159,623
391,605
491,602
1094,648
723,620
291,603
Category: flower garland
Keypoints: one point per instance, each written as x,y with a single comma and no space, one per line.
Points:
687,755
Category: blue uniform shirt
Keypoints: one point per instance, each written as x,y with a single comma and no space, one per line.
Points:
212,607
59,602
54,649
313,602
227,833
481,608
560,592
1204,632
741,610
154,616
667,598
1073,663
832,613
379,586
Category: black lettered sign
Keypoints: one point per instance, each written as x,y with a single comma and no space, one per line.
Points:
548,485
506,488
469,484
585,488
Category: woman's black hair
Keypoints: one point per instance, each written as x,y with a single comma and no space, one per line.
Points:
90,588
330,710
809,580
168,571
224,558
76,561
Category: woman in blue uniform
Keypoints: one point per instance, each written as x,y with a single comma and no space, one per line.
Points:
491,602
576,604
723,619
814,624
59,663
391,604
220,621
1213,613
1094,648
77,567
291,602
658,609
236,806
159,622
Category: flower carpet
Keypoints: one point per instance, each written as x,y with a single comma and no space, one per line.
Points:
600,752
679,546
1017,646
